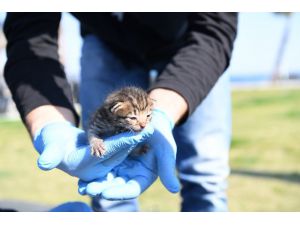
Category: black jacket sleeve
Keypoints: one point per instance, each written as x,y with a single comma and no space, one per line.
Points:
32,71
205,55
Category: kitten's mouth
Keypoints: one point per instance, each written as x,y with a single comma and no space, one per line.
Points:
137,129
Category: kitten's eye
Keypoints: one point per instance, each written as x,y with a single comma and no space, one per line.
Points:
148,115
132,117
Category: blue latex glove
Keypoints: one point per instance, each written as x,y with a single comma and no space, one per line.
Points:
64,146
137,173
72,207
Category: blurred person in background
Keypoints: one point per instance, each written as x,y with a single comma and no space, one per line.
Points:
186,53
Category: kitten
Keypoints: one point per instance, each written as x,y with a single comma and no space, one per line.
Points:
128,109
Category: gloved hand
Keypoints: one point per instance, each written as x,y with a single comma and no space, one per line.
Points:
64,146
137,173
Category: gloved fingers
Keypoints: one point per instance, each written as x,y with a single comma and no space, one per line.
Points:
79,157
96,188
81,139
166,164
82,158
138,174
131,189
117,149
52,155
83,184
126,141
82,187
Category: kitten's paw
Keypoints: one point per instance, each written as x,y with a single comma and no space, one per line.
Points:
97,147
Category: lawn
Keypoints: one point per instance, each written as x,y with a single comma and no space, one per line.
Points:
265,160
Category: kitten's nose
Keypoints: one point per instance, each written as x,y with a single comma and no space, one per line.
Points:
142,125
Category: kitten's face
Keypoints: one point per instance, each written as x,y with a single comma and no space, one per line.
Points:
133,114
132,118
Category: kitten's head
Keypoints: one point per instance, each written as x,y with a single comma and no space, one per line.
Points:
131,107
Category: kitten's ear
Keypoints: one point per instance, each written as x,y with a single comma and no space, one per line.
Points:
120,108
151,101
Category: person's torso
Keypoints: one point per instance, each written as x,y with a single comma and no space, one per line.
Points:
143,35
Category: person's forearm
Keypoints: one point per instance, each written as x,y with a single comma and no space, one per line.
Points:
201,59
170,102
42,115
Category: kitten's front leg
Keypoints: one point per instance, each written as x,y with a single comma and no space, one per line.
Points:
97,146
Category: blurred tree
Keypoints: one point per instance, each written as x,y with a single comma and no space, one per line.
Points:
282,45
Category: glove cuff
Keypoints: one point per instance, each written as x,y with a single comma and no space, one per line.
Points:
56,123
164,115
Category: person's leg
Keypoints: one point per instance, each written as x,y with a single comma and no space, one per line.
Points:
203,148
102,72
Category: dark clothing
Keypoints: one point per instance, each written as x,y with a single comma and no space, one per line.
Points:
195,46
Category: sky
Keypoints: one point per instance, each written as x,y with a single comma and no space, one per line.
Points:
257,42
255,48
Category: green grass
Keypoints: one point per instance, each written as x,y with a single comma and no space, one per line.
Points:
20,177
265,160
266,135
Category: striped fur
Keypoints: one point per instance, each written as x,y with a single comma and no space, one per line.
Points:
127,109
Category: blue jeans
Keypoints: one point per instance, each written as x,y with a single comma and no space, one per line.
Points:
203,141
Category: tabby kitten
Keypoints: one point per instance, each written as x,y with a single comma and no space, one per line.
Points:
128,109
